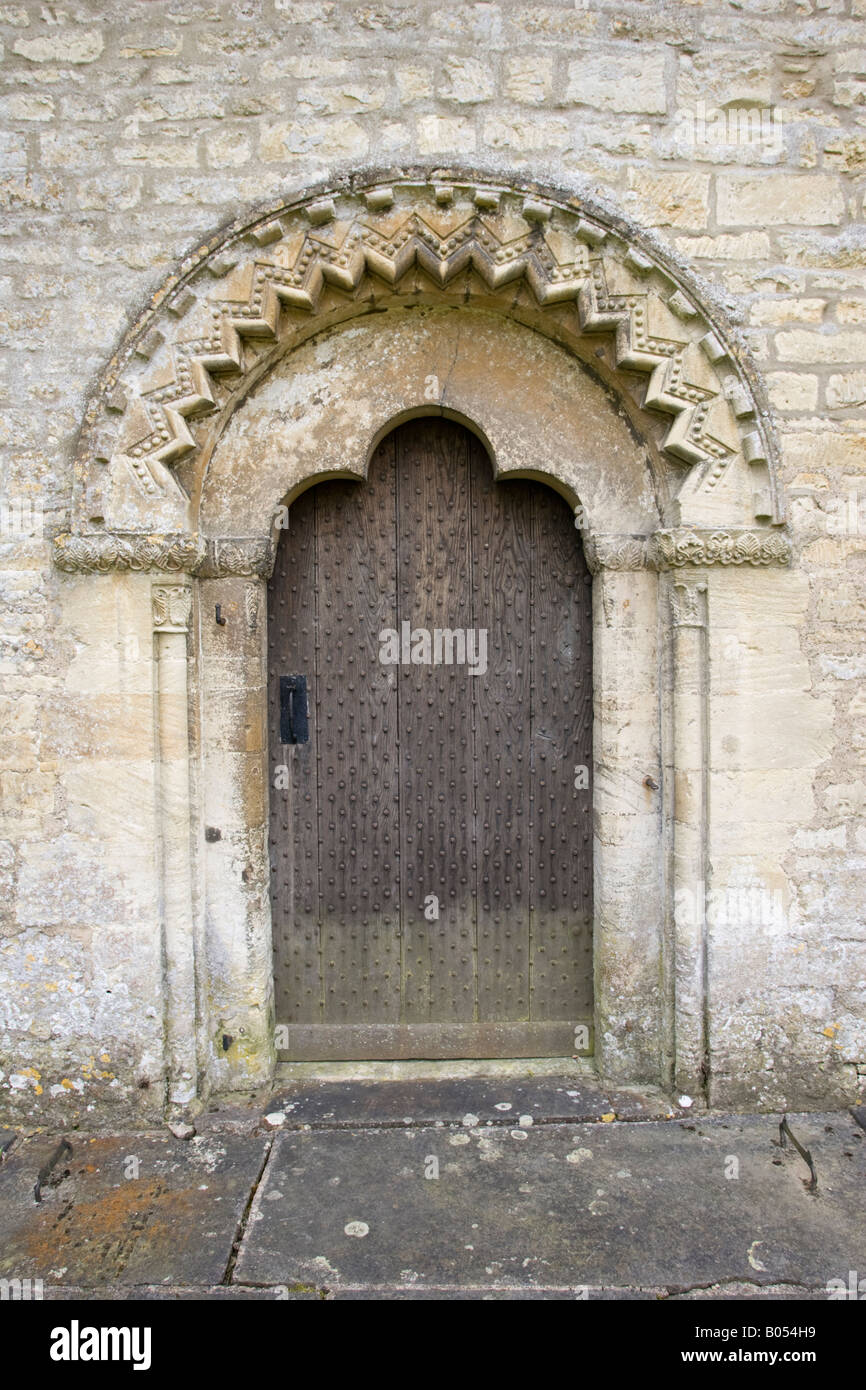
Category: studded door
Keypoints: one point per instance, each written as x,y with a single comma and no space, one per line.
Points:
431,871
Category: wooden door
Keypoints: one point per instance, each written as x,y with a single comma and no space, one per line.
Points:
431,868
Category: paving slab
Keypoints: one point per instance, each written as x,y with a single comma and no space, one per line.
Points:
737,1290
126,1209
671,1205
403,1293
494,1100
150,1293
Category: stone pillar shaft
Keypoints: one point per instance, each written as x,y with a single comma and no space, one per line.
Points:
171,611
690,751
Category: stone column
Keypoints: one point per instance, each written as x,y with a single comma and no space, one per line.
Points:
172,606
690,862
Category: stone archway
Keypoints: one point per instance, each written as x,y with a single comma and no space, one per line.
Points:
644,413
570,270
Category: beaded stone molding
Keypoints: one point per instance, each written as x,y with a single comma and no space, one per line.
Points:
266,285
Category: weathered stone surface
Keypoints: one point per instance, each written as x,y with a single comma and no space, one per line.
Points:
452,134
725,79
800,345
529,79
126,1210
617,81
132,141
66,47
495,1101
846,390
749,246
810,200
671,200
556,1205
791,391
334,400
772,312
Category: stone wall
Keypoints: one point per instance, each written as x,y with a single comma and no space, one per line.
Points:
735,136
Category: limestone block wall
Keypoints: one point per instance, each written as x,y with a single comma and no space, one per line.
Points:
129,133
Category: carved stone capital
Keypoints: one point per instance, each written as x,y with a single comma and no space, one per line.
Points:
688,604
615,553
172,606
244,555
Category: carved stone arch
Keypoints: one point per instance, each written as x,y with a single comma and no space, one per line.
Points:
163,485
565,266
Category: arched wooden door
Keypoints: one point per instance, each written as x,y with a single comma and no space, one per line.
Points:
431,835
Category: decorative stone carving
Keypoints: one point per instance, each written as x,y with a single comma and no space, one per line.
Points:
245,556
172,606
687,604
615,553
251,607
254,556
672,549
98,554
668,550
266,285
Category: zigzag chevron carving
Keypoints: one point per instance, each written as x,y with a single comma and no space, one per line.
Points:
279,279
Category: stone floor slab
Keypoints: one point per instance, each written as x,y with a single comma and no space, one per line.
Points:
126,1209
495,1100
619,1206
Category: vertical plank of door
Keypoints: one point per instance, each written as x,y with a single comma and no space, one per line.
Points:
434,591
501,521
356,706
294,829
561,892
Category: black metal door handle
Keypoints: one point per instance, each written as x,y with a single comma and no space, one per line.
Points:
294,722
